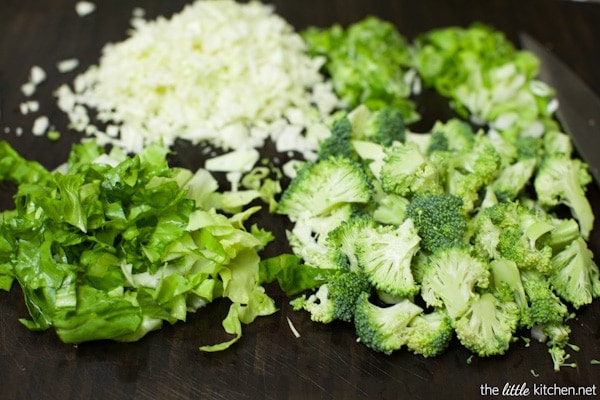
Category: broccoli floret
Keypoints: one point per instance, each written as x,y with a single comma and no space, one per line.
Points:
553,334
439,219
341,241
308,237
471,170
545,307
437,142
319,187
450,278
334,300
557,143
529,147
515,244
562,180
575,275
430,334
384,126
513,179
390,208
406,171
383,328
339,142
531,291
454,135
560,357
488,325
509,230
564,232
385,253
486,230
507,277
556,337
368,63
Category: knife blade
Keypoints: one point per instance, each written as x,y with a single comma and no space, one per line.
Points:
578,106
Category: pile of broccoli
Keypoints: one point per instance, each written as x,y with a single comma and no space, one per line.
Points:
453,234
474,231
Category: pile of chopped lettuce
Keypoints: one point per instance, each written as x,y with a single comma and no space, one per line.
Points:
111,246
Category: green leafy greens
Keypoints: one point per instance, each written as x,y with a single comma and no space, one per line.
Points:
111,246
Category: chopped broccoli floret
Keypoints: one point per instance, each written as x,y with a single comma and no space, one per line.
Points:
513,179
531,291
319,187
556,337
308,237
385,253
450,279
488,325
575,275
471,170
557,143
507,278
512,231
406,171
334,300
529,147
383,328
430,334
515,245
368,62
560,357
339,142
556,334
437,142
562,180
389,208
564,232
545,307
454,135
341,241
384,126
439,219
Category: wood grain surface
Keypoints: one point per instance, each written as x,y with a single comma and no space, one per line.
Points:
268,362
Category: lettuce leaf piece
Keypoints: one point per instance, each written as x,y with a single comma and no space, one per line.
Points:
292,274
98,316
259,304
